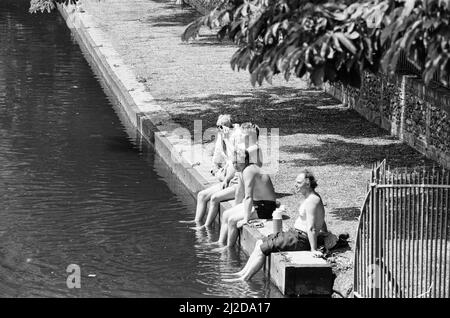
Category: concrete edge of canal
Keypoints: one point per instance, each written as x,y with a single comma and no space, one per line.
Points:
150,120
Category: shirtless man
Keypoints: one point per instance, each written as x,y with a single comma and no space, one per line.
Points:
306,235
255,197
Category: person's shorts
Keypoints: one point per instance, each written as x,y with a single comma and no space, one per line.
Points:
264,208
292,240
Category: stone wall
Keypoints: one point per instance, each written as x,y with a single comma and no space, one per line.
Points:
403,105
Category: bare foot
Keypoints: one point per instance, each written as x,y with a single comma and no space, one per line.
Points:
240,273
220,249
198,227
234,274
213,243
187,221
232,280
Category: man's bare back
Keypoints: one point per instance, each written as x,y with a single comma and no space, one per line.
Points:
263,188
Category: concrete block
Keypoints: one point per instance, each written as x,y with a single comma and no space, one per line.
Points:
248,237
300,274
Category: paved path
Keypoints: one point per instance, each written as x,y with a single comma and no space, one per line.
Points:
195,81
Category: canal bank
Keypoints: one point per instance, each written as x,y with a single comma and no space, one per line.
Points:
193,80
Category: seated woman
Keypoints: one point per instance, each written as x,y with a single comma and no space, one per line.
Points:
307,234
224,171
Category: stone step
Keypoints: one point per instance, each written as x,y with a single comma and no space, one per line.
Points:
300,274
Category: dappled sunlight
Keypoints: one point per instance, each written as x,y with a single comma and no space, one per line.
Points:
179,15
347,152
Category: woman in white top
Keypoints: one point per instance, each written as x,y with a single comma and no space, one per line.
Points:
225,190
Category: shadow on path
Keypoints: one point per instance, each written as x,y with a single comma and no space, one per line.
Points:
290,109
346,214
316,128
211,40
344,152
180,15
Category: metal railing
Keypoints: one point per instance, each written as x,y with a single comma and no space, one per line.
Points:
404,66
402,239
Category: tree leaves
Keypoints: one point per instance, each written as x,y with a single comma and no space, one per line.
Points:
419,34
345,41
317,76
333,40
47,5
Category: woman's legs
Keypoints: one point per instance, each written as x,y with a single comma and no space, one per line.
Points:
202,200
214,202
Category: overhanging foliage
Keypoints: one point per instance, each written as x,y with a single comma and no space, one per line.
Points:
47,5
332,40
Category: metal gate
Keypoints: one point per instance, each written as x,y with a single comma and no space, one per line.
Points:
401,243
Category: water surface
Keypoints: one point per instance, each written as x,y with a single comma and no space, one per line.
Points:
76,188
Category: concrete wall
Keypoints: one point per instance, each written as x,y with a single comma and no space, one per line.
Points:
417,114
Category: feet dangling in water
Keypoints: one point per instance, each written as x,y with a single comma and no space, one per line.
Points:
240,273
215,243
187,221
198,227
220,249
232,280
